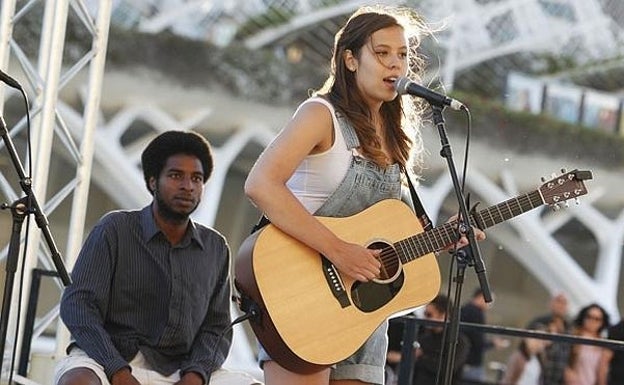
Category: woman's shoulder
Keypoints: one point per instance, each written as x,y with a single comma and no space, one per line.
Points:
316,111
318,105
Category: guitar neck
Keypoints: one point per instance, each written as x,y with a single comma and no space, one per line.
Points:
446,234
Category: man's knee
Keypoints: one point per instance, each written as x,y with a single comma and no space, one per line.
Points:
79,376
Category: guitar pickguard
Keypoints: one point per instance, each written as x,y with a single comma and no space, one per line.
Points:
372,295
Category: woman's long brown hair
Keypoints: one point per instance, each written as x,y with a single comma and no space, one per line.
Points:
341,89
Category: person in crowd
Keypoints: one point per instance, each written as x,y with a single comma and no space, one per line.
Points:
150,297
525,364
394,354
556,354
612,362
349,146
432,346
584,365
474,311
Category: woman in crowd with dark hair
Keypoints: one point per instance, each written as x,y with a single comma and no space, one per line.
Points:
584,365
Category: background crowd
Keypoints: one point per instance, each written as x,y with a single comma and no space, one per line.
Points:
540,358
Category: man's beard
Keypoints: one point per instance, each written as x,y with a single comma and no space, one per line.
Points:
168,213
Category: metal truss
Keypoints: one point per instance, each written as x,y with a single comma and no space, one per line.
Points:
43,78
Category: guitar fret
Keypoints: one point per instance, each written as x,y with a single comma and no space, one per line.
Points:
410,251
500,213
485,219
514,207
420,248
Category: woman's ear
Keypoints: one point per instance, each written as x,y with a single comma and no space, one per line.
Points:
350,60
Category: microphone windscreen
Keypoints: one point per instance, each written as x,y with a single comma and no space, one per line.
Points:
400,85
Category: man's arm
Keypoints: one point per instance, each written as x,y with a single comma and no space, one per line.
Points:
84,302
212,343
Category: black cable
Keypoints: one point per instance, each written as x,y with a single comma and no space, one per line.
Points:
251,311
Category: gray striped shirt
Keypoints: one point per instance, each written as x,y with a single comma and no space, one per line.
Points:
133,291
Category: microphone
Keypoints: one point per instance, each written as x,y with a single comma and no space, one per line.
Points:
10,81
405,86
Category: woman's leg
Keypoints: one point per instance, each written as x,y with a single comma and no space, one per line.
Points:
274,374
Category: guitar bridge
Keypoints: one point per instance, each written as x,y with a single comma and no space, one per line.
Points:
335,283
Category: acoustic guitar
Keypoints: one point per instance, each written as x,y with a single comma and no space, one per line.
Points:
308,316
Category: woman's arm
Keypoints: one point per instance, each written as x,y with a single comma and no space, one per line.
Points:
309,131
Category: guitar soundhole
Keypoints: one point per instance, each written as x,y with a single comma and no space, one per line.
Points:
372,295
390,265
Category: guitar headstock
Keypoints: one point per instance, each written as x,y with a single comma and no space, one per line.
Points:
569,185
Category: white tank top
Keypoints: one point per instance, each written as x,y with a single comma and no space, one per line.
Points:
319,175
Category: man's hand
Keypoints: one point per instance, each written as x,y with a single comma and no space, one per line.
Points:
190,378
124,377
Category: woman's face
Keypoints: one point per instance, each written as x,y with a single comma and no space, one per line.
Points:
593,320
382,60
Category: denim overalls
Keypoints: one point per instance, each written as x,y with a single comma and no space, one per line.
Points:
364,184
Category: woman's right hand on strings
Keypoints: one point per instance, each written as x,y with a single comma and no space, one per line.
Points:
356,261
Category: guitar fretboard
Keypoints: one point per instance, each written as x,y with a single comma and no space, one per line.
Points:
440,237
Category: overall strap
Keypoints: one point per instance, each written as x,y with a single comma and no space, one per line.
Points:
348,132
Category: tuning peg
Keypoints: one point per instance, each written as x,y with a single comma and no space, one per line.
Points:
543,179
563,170
566,204
556,207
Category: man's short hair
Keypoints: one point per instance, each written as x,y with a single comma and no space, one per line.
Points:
441,303
170,143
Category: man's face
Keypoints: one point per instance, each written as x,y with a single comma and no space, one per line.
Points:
179,187
559,306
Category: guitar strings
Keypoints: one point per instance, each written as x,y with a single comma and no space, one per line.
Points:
416,246
445,234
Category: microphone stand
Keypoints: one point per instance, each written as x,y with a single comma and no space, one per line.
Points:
469,255
20,208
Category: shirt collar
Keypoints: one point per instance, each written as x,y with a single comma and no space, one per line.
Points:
150,228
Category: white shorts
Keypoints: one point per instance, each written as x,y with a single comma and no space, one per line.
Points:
77,358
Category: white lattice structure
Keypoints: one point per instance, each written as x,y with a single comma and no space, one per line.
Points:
95,148
474,32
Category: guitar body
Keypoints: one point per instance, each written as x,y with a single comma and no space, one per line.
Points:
310,316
